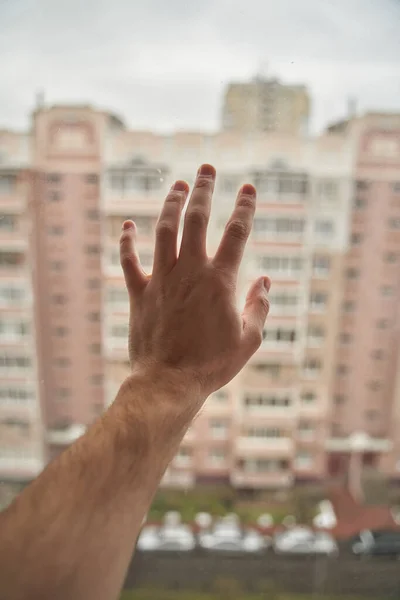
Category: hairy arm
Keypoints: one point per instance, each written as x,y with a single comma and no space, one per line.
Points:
70,534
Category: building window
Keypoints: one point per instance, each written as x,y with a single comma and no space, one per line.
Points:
315,334
264,465
11,259
289,265
359,203
53,177
362,184
117,296
303,460
312,366
94,316
8,222
61,331
390,257
283,299
271,369
377,354
308,397
387,290
265,432
396,187
94,283
394,223
306,430
120,331
59,299
372,415
345,338
348,306
352,273
10,294
217,457
342,369
356,239
57,265
91,178
264,400
339,399
321,265
375,385
56,230
218,429
95,348
183,457
324,227
278,225
327,189
93,214
318,301
15,394
96,379
220,395
382,323
279,335
13,329
62,361
92,249
7,184
14,361
63,393
54,196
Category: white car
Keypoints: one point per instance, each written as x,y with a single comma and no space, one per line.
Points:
301,540
229,537
166,538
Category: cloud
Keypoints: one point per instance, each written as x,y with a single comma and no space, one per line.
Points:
164,65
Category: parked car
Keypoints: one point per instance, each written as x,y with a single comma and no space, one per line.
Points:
166,538
376,543
306,542
229,537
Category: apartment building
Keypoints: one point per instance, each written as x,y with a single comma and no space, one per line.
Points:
265,105
367,378
21,433
326,231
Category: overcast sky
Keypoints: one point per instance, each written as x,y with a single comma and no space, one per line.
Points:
163,64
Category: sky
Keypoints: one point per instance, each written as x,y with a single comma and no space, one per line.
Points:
164,64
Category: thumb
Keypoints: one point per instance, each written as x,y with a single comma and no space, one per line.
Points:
255,313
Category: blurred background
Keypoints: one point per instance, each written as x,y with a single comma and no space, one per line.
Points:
289,478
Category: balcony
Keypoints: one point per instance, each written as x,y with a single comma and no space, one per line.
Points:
20,467
240,478
65,436
251,446
178,479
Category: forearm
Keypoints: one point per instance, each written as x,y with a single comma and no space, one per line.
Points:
71,533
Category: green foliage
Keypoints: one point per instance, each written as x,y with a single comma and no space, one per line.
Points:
269,593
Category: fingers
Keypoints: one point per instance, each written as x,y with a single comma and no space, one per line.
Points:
165,252
135,277
254,315
237,230
198,214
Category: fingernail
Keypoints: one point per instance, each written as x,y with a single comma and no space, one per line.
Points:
180,186
267,283
248,189
206,171
127,225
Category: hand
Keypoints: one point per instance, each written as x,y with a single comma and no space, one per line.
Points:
183,318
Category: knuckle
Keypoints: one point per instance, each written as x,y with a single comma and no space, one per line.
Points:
127,260
197,218
246,201
264,303
255,338
174,197
165,229
238,229
204,182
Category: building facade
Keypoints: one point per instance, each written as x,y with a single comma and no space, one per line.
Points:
264,105
326,232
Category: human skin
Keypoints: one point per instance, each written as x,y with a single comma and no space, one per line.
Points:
71,533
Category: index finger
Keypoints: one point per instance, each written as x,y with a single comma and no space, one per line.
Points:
237,231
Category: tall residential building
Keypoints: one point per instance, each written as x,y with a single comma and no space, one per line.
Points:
265,105
21,433
325,382
367,380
